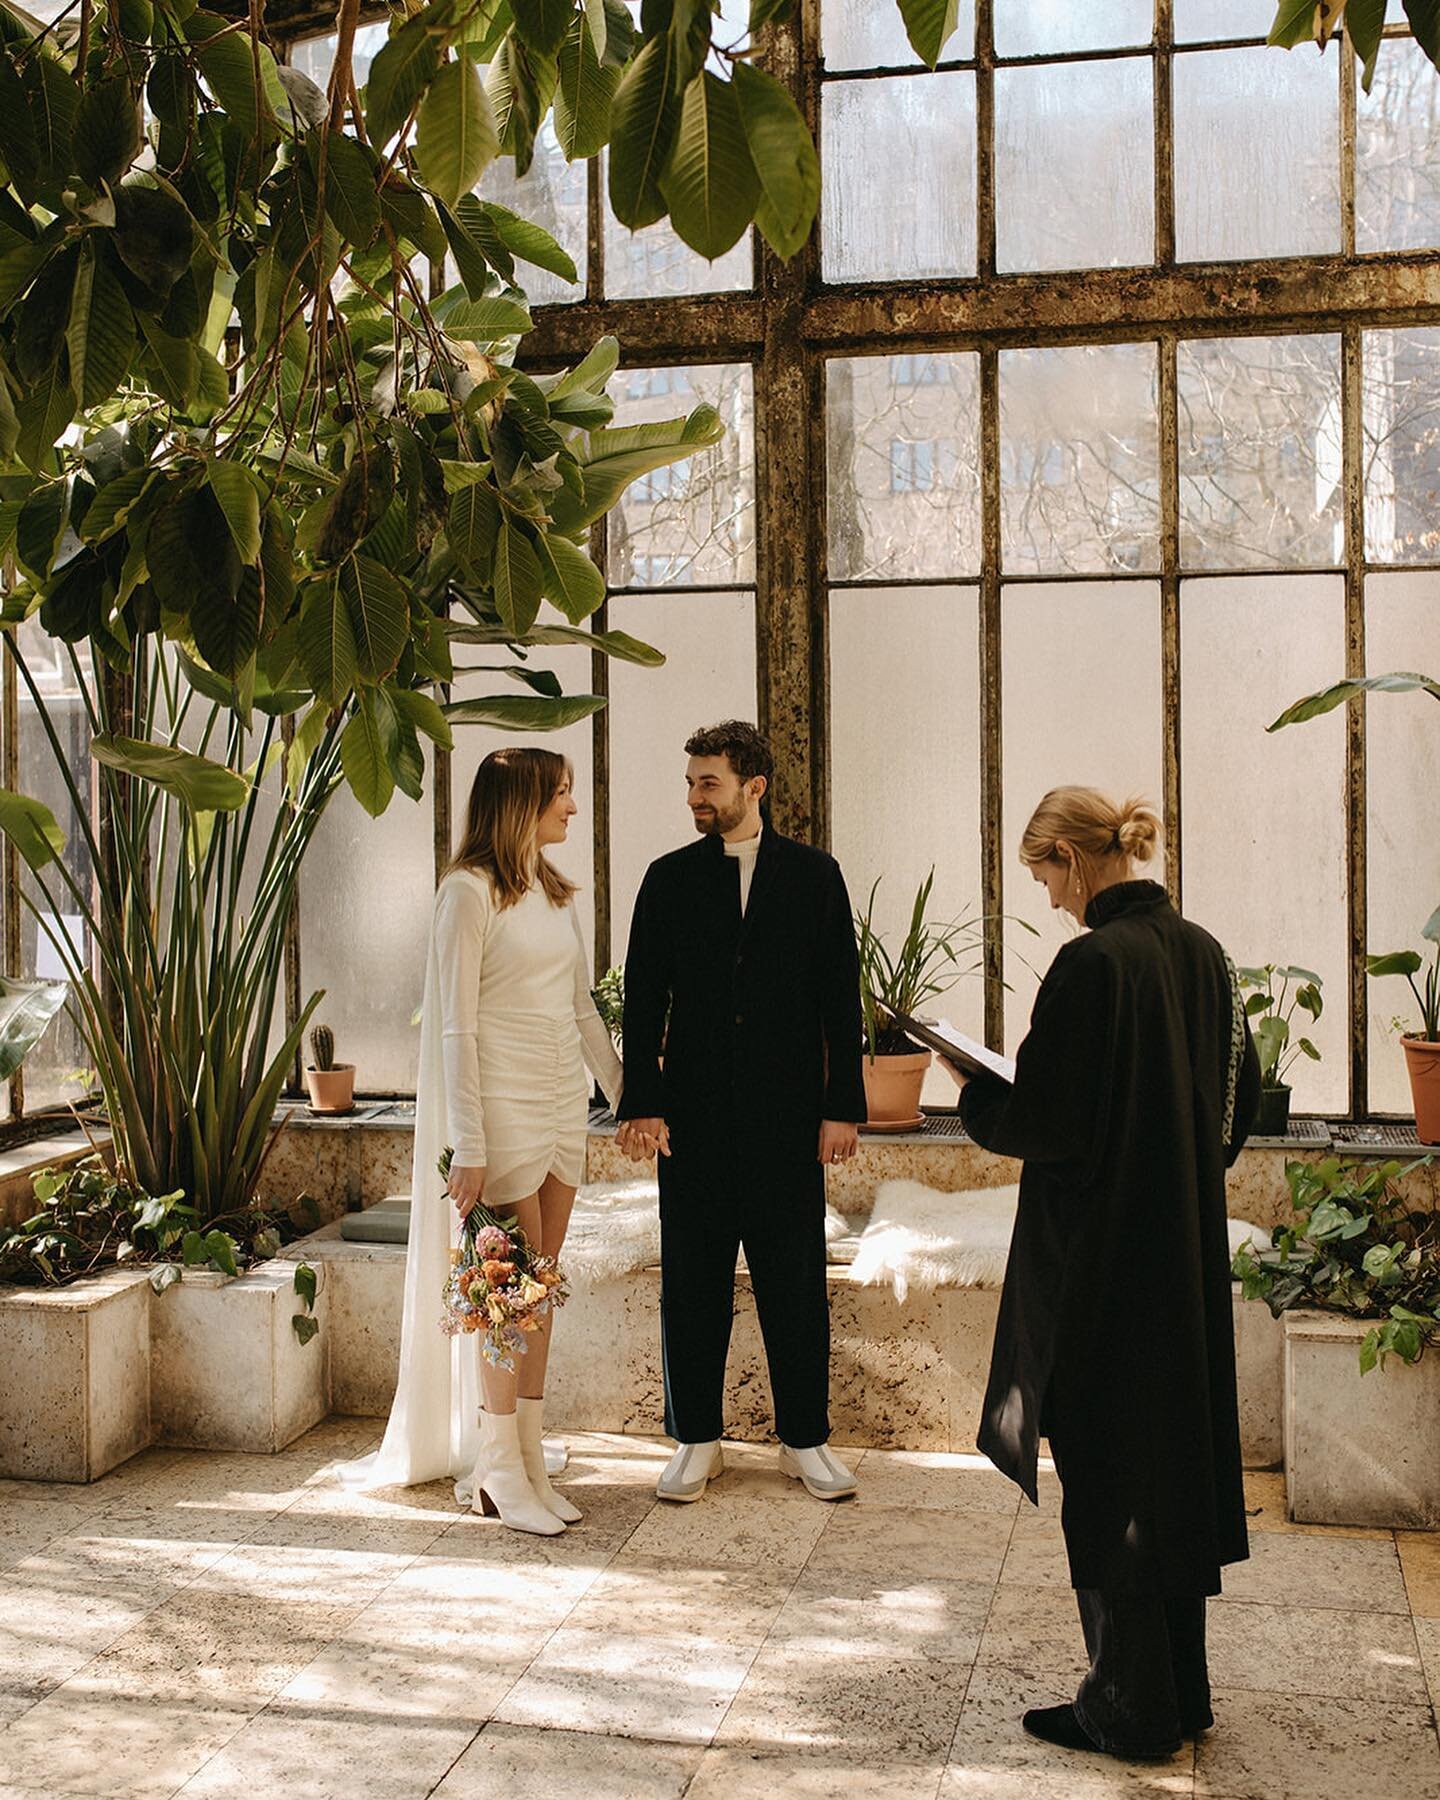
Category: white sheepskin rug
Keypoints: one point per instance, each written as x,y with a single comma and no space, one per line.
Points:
919,1237
614,1230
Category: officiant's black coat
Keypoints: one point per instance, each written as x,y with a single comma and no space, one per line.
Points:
763,1011
1134,1091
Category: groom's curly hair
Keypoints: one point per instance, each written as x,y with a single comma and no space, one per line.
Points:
746,746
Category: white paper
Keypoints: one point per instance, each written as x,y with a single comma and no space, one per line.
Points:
1003,1066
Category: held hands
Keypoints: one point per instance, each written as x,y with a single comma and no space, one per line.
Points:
465,1189
640,1139
839,1140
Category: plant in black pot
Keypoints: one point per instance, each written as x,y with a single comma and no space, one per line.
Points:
930,958
1277,991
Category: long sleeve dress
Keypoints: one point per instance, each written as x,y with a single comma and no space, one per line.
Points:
507,1028
1133,1092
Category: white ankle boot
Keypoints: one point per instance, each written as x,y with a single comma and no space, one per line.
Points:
499,1483
528,1416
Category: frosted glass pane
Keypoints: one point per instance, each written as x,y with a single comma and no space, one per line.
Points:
53,1067
1075,165
1054,27
903,465
473,743
552,194
1206,21
1257,147
907,660
1397,150
1081,674
1402,445
923,125
1264,817
870,34
365,898
709,640
648,264
1079,459
1260,452
693,522
1402,770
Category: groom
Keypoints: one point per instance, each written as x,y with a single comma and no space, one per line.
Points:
742,973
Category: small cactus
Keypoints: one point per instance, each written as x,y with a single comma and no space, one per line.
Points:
322,1048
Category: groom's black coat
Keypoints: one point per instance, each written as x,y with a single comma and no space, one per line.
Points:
764,1030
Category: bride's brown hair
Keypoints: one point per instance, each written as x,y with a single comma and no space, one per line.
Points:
512,787
1094,827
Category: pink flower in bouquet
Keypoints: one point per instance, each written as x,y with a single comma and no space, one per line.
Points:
492,1243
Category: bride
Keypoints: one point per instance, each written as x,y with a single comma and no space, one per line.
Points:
506,1022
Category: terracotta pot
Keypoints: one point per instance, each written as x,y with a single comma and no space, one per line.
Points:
892,1087
331,1090
1422,1058
1273,1117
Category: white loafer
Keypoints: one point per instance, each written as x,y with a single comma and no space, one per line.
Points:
690,1471
822,1471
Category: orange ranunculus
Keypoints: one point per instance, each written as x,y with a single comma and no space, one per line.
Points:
498,1273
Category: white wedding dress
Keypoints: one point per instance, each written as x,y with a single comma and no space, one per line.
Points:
506,1030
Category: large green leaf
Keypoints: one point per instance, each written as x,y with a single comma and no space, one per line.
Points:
569,578
365,754
530,242
1364,27
455,137
228,61
591,373
399,75
1294,23
44,413
482,321
107,136
38,527
111,507
239,499
31,828
203,785
584,94
542,24
379,614
351,201
929,25
516,578
643,122
616,458
54,99
710,183
154,235
423,714
784,158
327,641
101,332
1424,18
1313,705
520,82
618,644
524,712
471,525
227,629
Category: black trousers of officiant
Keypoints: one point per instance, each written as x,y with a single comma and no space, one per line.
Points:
710,1205
1148,1684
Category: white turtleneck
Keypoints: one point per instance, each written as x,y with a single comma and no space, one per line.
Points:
745,853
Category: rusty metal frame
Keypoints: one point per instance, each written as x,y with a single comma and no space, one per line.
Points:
792,322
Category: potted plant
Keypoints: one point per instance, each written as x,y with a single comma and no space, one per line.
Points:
1355,1276
609,997
331,1084
1422,1050
927,961
1276,992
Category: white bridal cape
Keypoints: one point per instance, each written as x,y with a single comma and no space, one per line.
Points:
506,1029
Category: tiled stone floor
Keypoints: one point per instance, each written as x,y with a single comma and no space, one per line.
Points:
216,1626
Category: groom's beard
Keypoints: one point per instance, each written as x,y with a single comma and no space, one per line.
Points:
720,819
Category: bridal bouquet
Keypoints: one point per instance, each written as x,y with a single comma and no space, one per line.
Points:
497,1284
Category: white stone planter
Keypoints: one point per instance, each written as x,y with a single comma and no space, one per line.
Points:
77,1377
1359,1449
227,1371
1260,1381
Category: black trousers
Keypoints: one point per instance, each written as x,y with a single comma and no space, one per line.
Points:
1148,1685
711,1204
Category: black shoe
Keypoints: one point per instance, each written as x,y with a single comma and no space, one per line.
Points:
1059,1725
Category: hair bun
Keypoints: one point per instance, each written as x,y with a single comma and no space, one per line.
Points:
1138,832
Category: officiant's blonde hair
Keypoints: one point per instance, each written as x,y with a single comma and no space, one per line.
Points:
512,787
1093,825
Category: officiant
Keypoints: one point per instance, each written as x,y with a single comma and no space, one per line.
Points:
742,971
1133,1092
